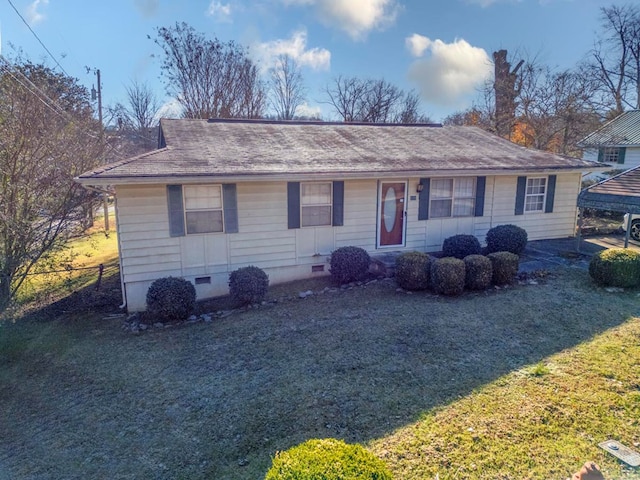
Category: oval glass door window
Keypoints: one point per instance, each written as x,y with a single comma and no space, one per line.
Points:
389,209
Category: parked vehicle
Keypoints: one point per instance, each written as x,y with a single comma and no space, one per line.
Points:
635,225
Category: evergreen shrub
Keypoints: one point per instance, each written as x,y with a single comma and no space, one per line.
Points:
248,285
325,459
448,276
171,299
505,267
413,271
506,238
616,267
349,264
478,272
459,246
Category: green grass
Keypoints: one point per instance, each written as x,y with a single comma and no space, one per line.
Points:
521,382
74,267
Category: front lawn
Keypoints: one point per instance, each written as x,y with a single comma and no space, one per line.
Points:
522,382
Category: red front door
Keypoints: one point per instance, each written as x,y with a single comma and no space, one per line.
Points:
391,218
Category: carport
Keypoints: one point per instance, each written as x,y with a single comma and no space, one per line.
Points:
619,194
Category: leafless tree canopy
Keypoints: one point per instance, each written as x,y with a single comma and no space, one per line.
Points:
47,137
615,59
287,87
373,101
547,110
133,126
210,78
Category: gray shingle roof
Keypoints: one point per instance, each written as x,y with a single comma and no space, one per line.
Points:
622,131
242,148
620,193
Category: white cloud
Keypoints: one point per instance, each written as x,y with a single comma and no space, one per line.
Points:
307,111
148,8
296,48
34,15
221,12
450,71
488,3
355,17
417,44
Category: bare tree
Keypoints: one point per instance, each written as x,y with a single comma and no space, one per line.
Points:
287,87
133,126
506,88
372,101
615,58
47,136
210,78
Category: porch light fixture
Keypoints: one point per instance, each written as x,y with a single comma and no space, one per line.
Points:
419,188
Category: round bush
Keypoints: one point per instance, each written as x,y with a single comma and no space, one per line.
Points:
248,285
170,299
327,459
478,272
413,271
506,238
616,267
349,264
459,246
448,276
505,267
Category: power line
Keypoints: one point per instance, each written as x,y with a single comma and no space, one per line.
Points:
37,38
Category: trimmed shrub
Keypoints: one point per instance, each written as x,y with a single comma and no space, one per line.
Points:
459,246
413,271
248,285
349,264
478,272
616,267
505,267
506,238
171,299
448,276
327,458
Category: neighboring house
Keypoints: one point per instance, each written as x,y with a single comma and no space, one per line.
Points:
616,143
222,194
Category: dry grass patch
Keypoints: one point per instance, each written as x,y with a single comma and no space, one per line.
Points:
406,374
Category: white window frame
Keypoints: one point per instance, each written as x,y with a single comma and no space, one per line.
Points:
537,194
610,154
453,198
304,205
187,210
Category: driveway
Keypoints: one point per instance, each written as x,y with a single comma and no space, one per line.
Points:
547,254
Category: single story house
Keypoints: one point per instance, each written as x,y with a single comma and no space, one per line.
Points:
616,143
218,195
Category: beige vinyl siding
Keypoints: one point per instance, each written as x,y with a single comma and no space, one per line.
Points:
360,208
539,225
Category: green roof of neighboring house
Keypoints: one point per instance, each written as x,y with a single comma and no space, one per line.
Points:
622,131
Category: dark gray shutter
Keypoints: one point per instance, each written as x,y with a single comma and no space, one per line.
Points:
338,204
293,204
621,154
423,199
520,192
601,154
481,183
551,193
176,210
230,202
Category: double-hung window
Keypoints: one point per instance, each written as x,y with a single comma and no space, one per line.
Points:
535,194
611,155
452,197
315,203
203,208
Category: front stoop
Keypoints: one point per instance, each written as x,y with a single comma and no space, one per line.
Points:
384,264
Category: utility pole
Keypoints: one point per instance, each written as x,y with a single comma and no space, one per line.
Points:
98,94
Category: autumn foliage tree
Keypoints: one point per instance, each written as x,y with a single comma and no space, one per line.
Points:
48,135
210,78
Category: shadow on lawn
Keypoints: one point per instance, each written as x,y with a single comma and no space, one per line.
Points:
217,400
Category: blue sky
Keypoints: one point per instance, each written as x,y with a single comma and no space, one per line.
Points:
440,48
